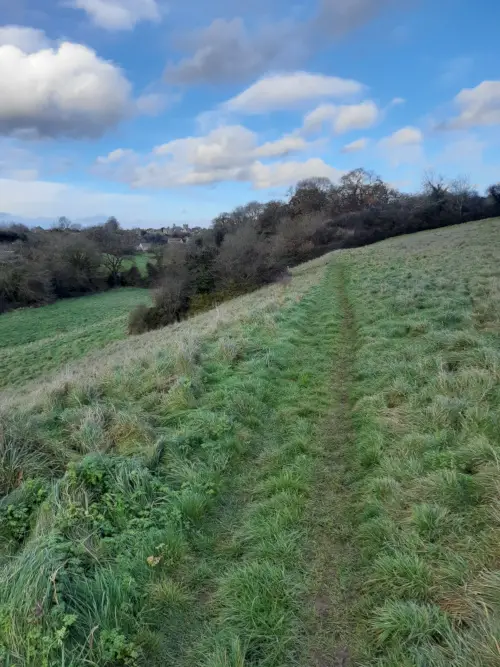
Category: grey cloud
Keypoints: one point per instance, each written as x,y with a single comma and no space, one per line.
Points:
225,52
338,17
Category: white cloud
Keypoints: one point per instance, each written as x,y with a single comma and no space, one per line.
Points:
64,91
280,147
288,173
343,118
52,199
119,14
397,101
224,147
479,106
355,146
115,156
230,153
28,40
227,147
403,146
287,91
406,136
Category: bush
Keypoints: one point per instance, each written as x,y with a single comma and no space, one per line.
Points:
171,304
132,277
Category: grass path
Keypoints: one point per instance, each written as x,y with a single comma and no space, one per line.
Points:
177,534
329,628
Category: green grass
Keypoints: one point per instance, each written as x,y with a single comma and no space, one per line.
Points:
140,260
152,515
424,468
34,341
305,476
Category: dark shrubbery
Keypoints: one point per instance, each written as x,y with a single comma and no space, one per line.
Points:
249,247
41,266
255,244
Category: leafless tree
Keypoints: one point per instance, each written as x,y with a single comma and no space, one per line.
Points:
461,189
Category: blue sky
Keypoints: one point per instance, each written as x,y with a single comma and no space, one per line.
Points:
170,112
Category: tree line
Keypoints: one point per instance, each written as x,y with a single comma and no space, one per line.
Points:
242,250
255,244
39,266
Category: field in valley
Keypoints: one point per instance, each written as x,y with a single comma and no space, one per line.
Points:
307,475
37,341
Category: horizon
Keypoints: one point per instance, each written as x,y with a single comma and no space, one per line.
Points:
165,115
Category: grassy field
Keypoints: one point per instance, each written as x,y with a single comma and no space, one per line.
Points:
306,476
34,341
140,260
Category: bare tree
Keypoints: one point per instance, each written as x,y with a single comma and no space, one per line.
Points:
462,190
434,185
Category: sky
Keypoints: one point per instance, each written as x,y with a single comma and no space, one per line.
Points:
170,112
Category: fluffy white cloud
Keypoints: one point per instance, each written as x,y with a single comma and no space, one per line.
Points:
227,147
287,91
63,91
230,153
479,106
406,136
289,173
51,199
342,118
224,147
355,146
403,146
280,147
119,14
28,40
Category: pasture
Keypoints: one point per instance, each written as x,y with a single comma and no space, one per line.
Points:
36,341
306,475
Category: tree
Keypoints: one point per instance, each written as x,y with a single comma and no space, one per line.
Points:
461,191
494,192
63,224
361,189
112,226
434,186
310,196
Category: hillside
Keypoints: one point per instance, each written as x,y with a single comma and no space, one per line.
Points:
307,475
34,342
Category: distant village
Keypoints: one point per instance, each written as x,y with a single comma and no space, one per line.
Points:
164,235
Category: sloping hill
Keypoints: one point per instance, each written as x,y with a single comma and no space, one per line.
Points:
308,475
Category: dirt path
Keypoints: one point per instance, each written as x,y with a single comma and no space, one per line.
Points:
331,622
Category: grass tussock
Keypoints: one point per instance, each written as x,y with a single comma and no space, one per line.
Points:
117,548
424,467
